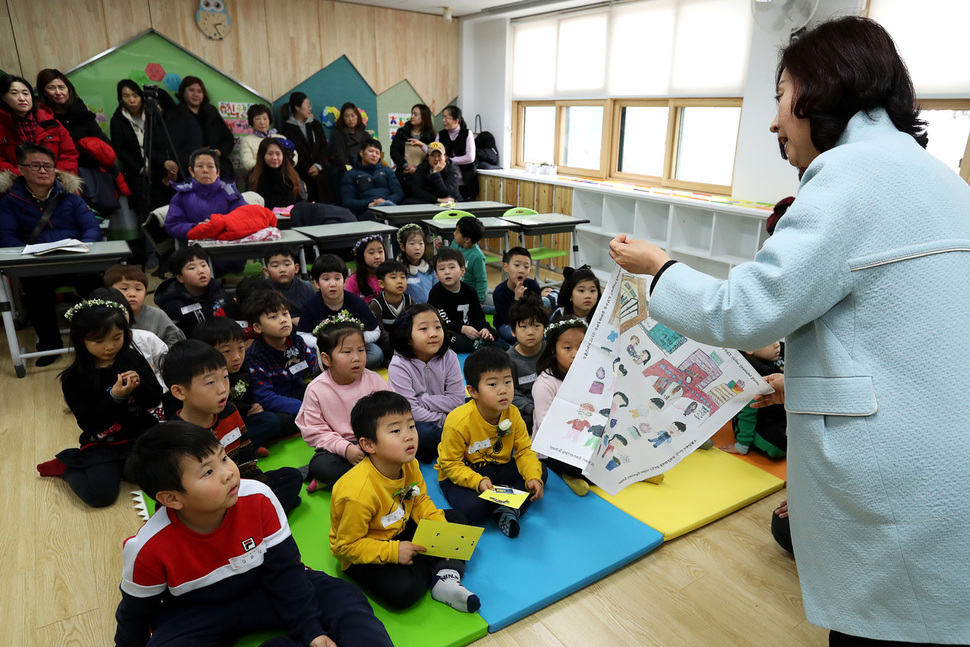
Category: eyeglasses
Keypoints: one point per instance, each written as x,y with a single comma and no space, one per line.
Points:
37,167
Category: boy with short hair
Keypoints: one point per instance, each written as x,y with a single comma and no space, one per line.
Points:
527,319
517,264
192,295
391,301
458,303
282,267
485,443
246,574
197,376
280,362
376,506
229,338
329,273
468,231
132,282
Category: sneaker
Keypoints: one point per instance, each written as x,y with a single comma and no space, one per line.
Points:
579,486
508,524
656,480
46,360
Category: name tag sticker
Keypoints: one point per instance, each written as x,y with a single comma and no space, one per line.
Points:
192,308
414,280
480,445
250,558
392,518
296,368
231,437
528,379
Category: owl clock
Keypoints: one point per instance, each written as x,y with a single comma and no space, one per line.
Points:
213,19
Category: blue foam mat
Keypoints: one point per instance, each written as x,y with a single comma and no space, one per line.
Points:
559,551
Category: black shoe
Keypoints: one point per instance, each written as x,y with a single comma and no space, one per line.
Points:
46,360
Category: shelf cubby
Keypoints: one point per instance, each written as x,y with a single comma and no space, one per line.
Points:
651,222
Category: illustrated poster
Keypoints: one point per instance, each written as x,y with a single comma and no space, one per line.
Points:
397,119
639,397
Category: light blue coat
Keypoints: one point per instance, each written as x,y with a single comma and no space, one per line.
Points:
866,276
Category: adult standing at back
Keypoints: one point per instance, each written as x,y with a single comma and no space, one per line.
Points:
23,120
860,276
194,100
460,147
307,134
410,144
58,93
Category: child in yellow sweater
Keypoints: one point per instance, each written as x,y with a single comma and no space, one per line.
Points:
485,443
376,506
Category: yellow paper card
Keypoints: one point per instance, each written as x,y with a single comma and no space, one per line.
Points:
505,496
443,539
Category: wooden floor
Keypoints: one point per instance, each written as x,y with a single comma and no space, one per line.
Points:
60,562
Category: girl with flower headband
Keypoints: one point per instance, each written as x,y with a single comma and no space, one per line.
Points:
421,276
579,295
368,253
114,396
324,418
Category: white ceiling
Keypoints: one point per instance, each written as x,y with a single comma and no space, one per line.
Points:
458,7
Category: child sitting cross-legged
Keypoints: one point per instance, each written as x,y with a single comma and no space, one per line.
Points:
368,254
197,376
329,272
391,301
527,320
375,509
517,264
132,282
485,443
193,295
426,372
280,362
421,276
217,562
324,418
229,338
282,267
459,304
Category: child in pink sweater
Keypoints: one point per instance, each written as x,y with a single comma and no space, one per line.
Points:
324,418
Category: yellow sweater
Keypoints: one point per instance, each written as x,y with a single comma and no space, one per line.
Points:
465,429
362,526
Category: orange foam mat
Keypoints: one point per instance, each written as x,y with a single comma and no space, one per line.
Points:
774,466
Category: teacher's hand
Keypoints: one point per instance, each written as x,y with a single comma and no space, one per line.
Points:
777,382
637,256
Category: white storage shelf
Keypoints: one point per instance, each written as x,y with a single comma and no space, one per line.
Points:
710,237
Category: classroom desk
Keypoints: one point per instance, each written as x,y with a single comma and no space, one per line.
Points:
548,223
345,234
13,262
494,228
258,248
403,214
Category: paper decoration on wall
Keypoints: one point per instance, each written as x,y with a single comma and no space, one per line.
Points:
640,397
155,72
172,82
397,119
329,116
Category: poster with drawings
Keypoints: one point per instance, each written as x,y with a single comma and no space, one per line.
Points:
640,397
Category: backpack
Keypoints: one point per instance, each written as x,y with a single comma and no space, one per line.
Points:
486,152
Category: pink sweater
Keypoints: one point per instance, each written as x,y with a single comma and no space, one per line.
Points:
324,418
351,286
544,391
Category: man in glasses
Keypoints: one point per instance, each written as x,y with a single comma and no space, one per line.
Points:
42,207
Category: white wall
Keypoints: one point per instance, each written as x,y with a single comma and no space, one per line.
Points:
484,82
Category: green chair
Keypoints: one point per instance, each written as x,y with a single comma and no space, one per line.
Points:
519,211
452,214
537,253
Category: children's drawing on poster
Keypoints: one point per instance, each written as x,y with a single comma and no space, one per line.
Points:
395,120
640,397
235,114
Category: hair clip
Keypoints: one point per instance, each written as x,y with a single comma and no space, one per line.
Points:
341,317
90,303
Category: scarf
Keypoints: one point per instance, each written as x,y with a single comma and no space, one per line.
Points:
26,127
270,133
137,125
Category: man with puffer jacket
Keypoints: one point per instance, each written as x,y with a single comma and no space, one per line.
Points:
370,183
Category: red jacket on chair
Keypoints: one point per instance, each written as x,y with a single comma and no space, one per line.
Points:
238,223
50,133
104,156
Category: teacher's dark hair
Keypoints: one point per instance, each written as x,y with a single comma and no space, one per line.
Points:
844,66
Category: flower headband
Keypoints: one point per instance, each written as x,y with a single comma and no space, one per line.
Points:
367,240
405,231
563,323
341,317
90,303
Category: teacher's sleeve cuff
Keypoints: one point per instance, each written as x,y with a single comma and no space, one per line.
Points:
663,268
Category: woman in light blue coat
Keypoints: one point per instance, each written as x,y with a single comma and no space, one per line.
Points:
864,277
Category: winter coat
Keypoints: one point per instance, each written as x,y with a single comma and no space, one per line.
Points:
312,149
187,311
364,183
399,146
345,145
275,190
195,202
215,135
80,122
236,224
19,213
50,133
100,153
862,278
249,148
428,186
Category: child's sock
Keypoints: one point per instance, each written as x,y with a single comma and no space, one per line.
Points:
53,467
578,485
446,587
313,486
508,521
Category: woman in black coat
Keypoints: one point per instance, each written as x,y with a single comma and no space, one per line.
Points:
58,94
194,101
410,145
307,134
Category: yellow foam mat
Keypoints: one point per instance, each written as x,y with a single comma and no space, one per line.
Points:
705,486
